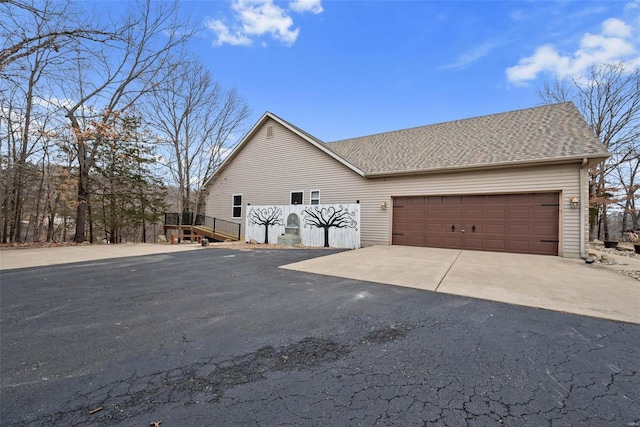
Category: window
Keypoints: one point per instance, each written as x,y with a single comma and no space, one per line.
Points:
237,206
314,197
297,197
269,131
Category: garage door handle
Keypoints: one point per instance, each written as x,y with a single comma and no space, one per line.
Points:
397,234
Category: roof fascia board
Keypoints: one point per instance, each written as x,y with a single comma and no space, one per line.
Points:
593,160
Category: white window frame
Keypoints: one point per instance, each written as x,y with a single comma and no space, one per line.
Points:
234,206
311,199
291,196
269,131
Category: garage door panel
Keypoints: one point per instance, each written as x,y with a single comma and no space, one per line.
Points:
519,229
416,215
474,213
519,214
497,245
543,230
524,223
521,246
497,198
519,198
400,217
543,248
400,201
416,227
416,241
548,214
451,200
473,243
494,214
452,241
494,228
434,201
434,228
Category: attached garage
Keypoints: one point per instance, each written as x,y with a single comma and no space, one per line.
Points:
518,223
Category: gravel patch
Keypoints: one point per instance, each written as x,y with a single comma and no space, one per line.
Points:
624,249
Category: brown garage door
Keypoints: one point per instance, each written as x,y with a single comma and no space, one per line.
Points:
520,223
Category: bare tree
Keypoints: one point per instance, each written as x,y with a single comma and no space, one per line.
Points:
195,121
111,79
37,36
609,99
22,119
32,26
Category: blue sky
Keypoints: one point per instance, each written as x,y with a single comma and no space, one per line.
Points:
340,69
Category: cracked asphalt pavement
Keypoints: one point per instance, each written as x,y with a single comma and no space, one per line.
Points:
223,337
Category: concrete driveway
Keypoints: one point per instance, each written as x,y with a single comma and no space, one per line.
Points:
553,283
37,257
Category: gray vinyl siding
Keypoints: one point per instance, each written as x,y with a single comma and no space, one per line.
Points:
265,171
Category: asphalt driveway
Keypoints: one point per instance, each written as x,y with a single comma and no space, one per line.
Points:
224,337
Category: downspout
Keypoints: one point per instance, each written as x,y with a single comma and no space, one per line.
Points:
583,252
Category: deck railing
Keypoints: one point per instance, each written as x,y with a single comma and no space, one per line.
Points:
228,228
217,225
188,218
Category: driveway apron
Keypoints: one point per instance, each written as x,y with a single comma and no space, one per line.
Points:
552,283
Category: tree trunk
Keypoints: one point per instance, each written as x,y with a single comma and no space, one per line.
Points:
326,237
16,227
50,227
266,233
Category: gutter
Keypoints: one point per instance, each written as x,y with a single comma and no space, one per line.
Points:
583,252
490,166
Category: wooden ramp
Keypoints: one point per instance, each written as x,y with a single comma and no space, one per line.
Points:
211,234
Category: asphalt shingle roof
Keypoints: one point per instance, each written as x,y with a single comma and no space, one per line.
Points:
548,133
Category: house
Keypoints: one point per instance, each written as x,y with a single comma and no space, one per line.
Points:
509,182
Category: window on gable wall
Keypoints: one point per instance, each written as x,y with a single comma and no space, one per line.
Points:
314,197
297,197
237,206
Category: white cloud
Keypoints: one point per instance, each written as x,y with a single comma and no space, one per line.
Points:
469,57
225,36
615,43
257,18
474,54
313,6
616,28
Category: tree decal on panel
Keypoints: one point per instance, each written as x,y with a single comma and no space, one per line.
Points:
266,216
329,217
